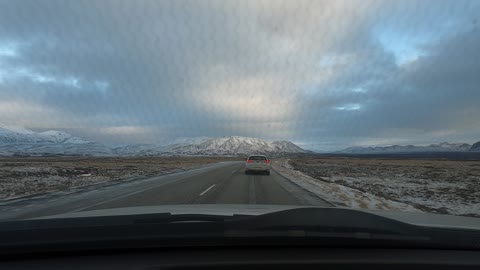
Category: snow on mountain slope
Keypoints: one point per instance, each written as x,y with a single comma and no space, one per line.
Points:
442,147
22,141
133,149
188,140
157,149
9,134
231,145
55,136
288,147
14,129
475,147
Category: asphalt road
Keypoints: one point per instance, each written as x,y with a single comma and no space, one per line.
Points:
223,183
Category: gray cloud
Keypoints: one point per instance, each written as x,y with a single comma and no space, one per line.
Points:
324,74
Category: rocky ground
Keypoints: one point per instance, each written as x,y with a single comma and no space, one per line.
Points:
434,185
26,176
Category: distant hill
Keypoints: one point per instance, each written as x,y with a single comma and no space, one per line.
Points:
442,147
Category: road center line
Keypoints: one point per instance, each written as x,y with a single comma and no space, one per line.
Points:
206,190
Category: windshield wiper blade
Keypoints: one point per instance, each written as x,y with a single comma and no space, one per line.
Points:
334,220
332,224
172,218
118,220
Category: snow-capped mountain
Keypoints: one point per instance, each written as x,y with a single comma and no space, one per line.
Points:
22,141
188,140
55,136
475,147
9,134
157,149
442,147
231,145
288,147
48,149
14,129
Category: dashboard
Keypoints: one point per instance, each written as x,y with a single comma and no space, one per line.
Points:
251,258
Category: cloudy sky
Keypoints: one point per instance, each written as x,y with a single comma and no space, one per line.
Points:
323,74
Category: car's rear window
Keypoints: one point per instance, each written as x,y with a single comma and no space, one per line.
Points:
257,158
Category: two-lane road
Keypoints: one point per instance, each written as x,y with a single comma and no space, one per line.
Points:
224,183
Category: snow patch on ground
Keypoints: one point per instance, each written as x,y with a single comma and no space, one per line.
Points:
417,192
339,194
434,185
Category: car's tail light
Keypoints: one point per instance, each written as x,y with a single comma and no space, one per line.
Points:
266,161
249,161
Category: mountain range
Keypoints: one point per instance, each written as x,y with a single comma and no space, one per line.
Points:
230,145
22,135
442,147
475,147
18,141
22,141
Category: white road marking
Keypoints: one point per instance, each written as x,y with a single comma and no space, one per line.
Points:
206,190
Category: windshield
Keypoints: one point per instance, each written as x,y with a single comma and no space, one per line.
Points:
161,105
